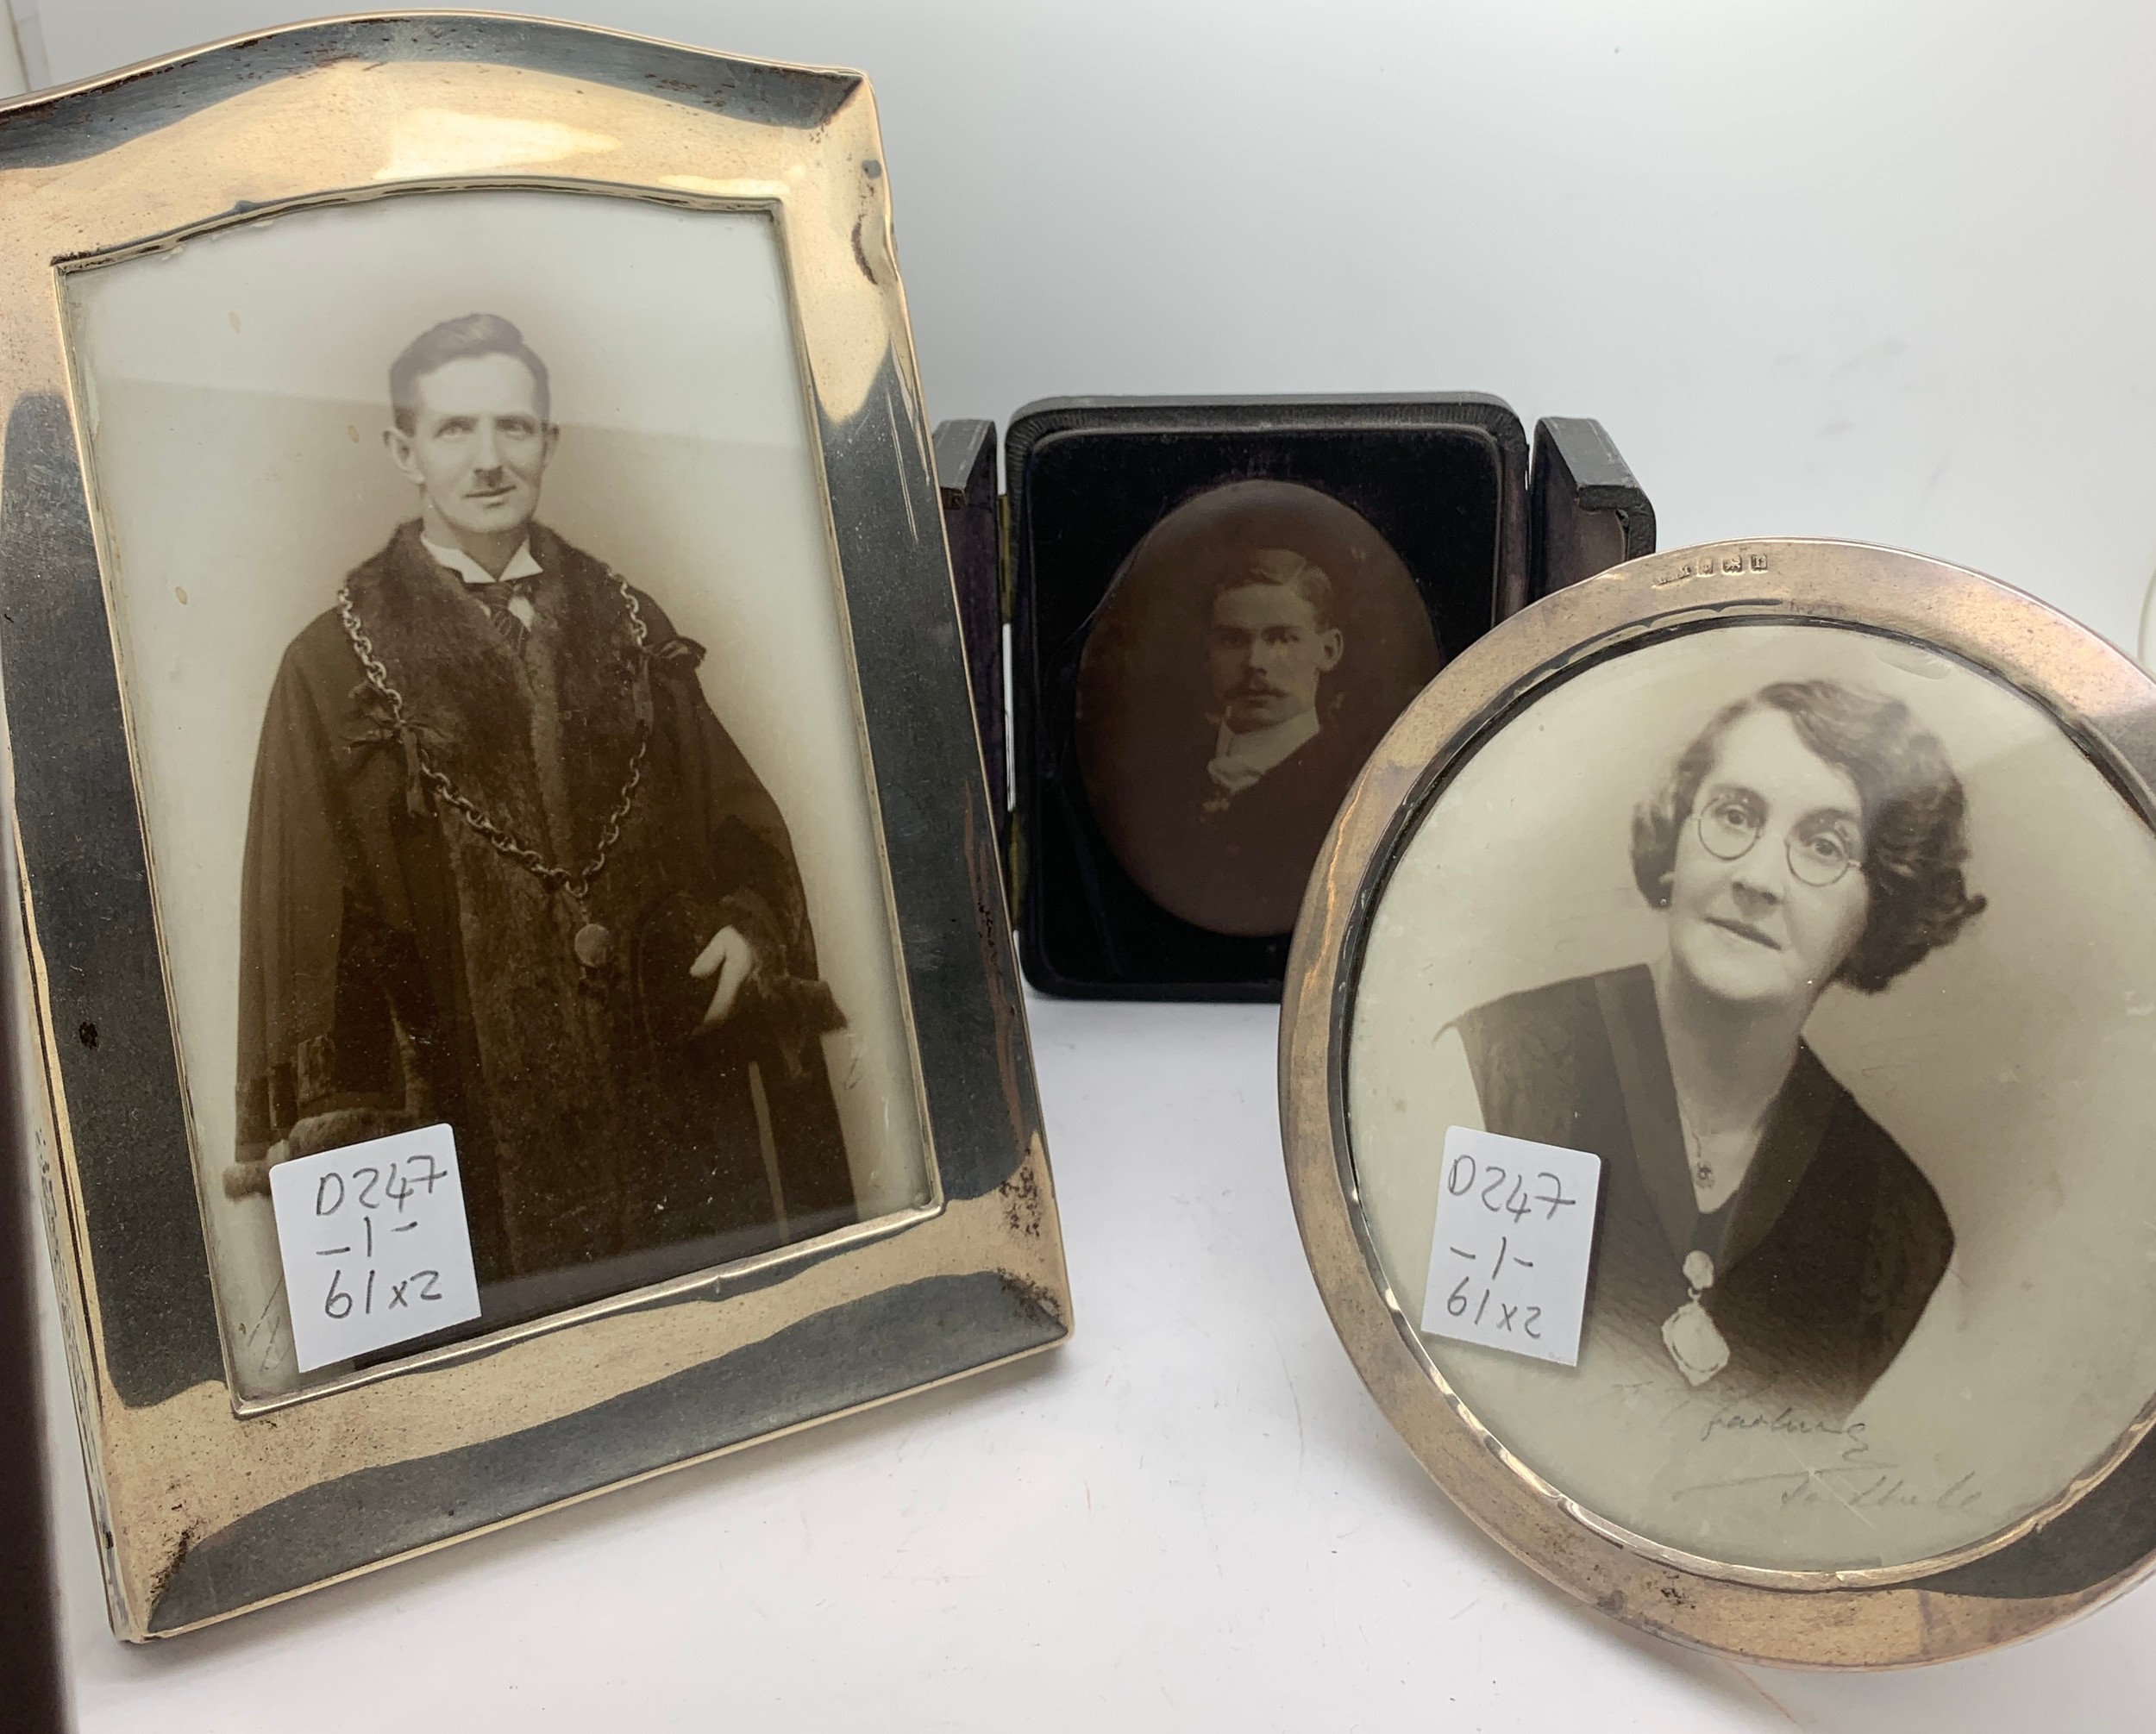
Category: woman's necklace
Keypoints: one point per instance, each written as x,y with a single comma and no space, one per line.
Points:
1700,1350
1719,1162
1702,1166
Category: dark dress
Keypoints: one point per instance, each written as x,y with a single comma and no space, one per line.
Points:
397,968
1824,1259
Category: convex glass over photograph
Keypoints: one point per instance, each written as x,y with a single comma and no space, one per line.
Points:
549,821
1791,928
1250,653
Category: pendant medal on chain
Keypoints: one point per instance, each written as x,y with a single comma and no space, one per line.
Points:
593,943
1690,1334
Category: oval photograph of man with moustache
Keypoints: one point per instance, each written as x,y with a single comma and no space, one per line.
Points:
1251,651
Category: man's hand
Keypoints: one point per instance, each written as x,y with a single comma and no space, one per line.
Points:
733,961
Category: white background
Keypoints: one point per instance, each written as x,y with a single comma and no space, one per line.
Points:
1827,266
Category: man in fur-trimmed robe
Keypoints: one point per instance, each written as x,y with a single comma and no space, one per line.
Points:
506,869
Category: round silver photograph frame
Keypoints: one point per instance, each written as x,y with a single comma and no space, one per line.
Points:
2099,1534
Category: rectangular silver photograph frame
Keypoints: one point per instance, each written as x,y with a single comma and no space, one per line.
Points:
705,1281
206,1511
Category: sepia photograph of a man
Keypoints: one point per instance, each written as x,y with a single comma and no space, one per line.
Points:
498,738
505,868
1253,649
1268,777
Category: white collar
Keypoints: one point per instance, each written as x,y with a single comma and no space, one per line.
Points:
520,564
1262,749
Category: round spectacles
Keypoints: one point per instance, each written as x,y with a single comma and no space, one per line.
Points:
1818,854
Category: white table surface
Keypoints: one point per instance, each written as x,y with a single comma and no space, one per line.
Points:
1190,1516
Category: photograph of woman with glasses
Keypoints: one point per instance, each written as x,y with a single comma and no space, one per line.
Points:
1759,1228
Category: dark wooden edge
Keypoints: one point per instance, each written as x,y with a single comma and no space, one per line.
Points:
966,478
1586,510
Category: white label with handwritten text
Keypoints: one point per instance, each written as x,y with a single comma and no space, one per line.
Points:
374,1244
1515,1230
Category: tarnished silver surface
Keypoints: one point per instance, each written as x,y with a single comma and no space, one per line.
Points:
207,1511
2100,1534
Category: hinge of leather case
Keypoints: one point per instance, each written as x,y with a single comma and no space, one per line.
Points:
1014,866
1006,567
